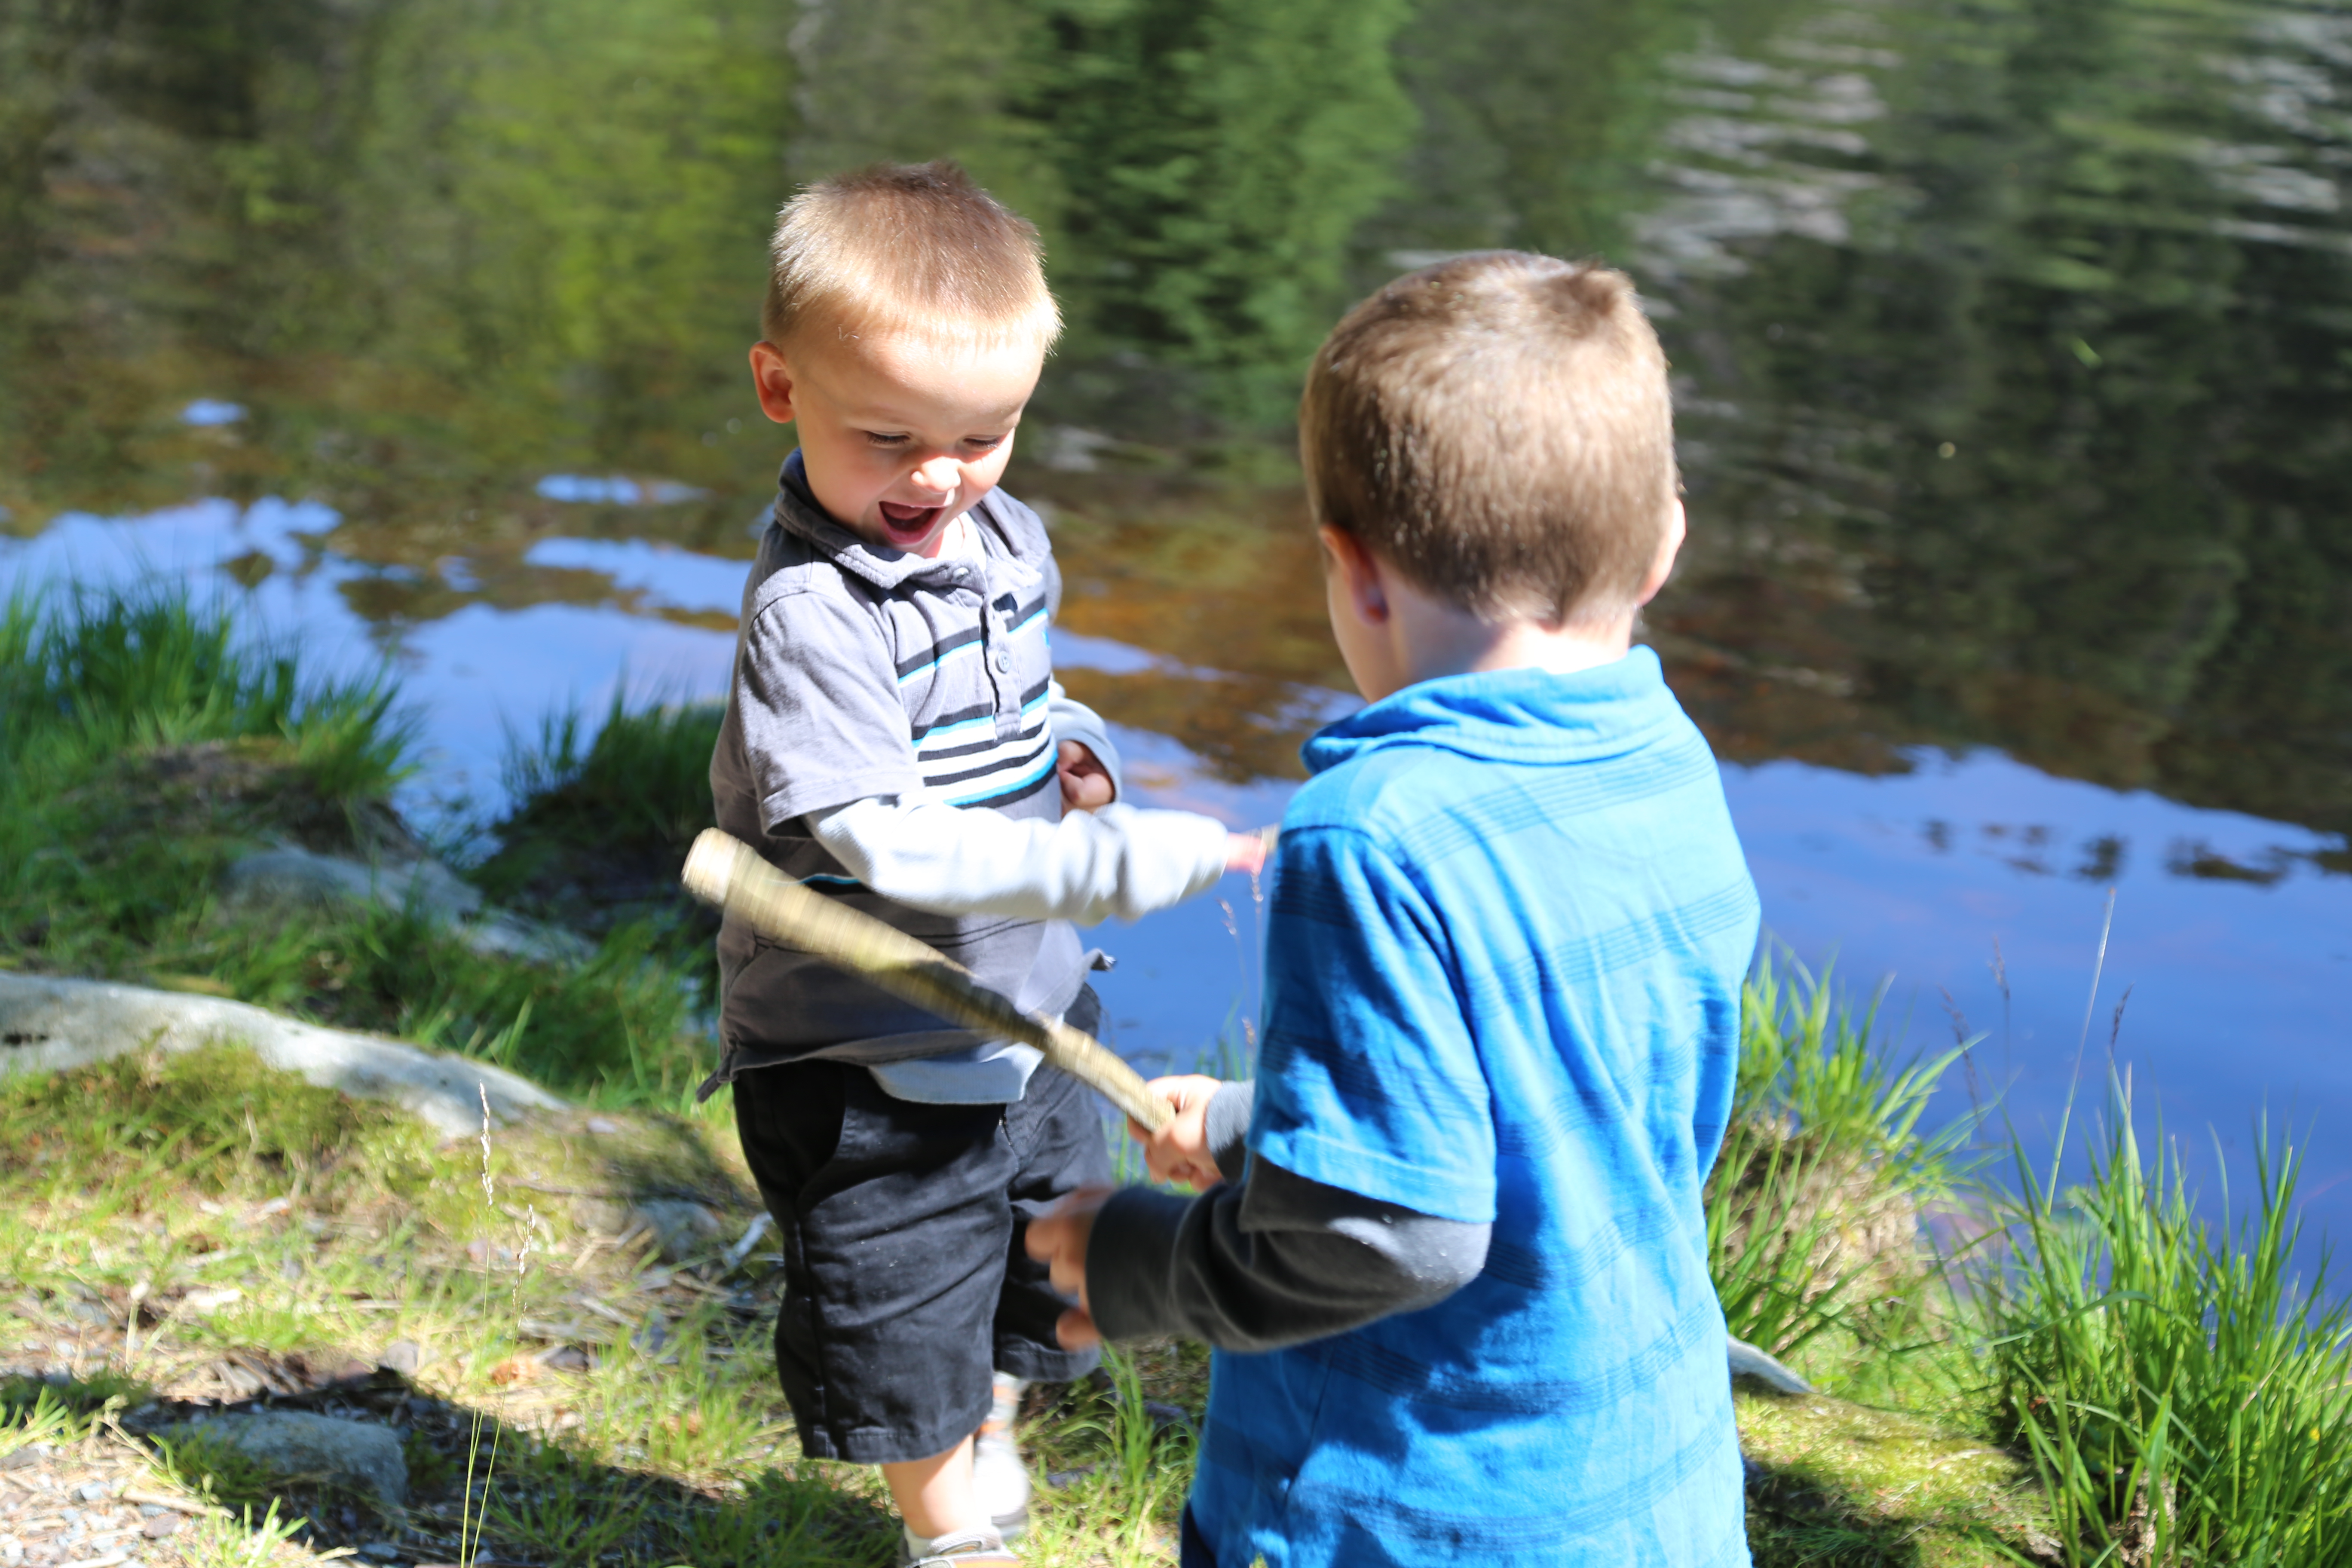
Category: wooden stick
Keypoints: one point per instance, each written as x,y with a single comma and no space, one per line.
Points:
723,870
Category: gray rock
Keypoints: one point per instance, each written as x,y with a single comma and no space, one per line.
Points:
295,880
685,1228
1747,1361
49,1024
602,1215
399,1358
354,1454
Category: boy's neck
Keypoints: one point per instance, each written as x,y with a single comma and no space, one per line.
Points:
1433,639
1394,634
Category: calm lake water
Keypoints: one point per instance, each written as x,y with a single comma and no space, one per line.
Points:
2012,344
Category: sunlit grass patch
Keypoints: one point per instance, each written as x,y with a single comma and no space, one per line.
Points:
1118,1453
2182,1393
1837,1483
630,1400
93,672
321,1232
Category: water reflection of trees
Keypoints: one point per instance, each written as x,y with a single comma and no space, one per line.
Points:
2092,248
2048,453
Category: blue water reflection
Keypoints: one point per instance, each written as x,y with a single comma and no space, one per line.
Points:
1978,883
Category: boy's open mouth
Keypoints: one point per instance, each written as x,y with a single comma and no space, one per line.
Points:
908,526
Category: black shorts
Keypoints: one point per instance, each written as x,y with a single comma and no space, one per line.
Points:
906,1284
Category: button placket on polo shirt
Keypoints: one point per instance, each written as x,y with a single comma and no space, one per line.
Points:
996,652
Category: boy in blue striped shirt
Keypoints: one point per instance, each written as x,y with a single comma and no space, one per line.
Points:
895,739
1455,1270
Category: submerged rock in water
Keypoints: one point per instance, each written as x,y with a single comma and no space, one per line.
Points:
51,1025
293,878
299,1444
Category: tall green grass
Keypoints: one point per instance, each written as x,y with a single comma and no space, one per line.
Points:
2182,1393
613,815
1812,1204
146,740
100,696
86,674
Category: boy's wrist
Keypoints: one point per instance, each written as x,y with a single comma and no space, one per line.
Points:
1249,851
1227,1126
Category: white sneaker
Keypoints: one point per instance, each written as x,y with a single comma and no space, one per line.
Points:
999,1480
965,1549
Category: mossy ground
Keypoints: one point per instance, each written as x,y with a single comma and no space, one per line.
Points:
1831,1481
274,1234
195,1229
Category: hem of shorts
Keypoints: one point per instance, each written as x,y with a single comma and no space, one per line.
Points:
736,1060
1028,1360
885,1446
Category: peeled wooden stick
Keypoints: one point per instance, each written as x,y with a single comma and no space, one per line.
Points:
723,870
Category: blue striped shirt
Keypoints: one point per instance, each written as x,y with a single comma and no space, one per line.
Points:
862,671
1508,928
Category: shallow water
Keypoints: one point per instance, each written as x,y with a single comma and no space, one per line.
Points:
2013,351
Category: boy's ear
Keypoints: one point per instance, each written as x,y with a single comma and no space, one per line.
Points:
1360,573
773,377
1662,565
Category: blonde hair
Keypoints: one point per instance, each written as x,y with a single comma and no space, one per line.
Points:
907,248
1498,428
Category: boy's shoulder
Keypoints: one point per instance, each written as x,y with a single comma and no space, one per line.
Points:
790,562
1022,525
1492,753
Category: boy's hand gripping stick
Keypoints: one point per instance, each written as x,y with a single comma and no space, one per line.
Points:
725,871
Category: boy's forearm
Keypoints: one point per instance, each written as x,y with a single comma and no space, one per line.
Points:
1085,868
1273,1261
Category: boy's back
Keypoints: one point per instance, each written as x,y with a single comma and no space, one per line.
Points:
1509,924
1466,1252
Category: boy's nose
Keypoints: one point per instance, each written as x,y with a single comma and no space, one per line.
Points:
938,474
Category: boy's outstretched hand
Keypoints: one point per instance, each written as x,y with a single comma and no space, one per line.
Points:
1180,1152
1059,1241
1086,782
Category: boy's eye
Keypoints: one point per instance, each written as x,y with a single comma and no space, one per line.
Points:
879,439
985,443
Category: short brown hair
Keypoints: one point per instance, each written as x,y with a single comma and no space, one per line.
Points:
906,247
1498,428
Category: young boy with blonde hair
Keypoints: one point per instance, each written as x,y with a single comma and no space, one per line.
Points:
1457,1268
894,738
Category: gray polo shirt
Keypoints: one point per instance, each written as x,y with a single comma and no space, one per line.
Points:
862,672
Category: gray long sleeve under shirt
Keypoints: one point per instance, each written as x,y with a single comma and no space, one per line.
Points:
1268,1258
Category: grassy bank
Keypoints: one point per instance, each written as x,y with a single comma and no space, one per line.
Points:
146,747
2097,1376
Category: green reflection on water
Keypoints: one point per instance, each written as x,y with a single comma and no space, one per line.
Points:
2013,339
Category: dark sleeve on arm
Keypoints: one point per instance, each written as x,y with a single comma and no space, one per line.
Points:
1227,1126
1272,1261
